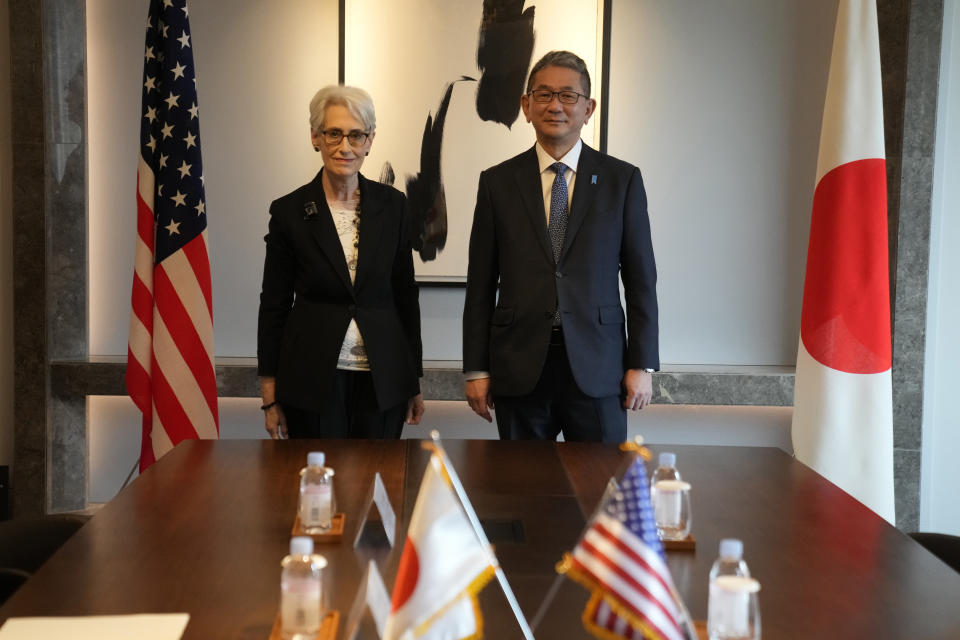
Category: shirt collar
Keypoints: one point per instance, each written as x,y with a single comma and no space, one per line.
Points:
570,159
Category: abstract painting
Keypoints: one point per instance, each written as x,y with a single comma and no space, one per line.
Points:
446,77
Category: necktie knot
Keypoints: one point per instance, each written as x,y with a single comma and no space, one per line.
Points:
558,168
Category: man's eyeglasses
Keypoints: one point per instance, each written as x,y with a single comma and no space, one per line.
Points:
566,97
333,137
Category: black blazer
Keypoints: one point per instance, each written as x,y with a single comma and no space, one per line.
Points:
307,299
608,234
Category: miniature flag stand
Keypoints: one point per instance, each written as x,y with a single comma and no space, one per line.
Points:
620,559
368,533
372,594
447,559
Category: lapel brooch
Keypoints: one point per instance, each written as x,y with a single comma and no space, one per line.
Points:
309,210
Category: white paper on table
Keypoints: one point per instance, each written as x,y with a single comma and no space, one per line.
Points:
144,626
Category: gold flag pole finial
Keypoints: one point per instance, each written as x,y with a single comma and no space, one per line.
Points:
637,446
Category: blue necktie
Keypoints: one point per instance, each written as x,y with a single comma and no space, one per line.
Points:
558,219
558,210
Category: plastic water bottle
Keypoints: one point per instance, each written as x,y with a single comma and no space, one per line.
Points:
301,591
666,468
667,505
728,607
317,502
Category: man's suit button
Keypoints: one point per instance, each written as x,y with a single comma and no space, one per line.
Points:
558,274
352,310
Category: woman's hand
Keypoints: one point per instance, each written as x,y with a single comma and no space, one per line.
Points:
415,409
276,422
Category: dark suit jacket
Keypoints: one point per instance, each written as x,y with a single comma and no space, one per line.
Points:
608,233
307,299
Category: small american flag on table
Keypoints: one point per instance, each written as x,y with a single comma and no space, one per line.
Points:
621,560
170,371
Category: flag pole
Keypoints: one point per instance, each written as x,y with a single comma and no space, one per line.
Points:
639,450
478,531
562,565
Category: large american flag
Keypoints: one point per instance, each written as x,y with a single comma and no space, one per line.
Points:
170,373
622,560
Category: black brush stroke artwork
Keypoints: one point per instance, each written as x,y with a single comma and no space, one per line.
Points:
503,56
428,204
504,51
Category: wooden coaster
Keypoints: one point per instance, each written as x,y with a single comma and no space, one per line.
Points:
328,628
700,626
334,535
687,544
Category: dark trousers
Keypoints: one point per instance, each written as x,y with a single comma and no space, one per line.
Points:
350,412
557,405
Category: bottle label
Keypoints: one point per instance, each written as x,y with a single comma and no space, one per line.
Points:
315,505
728,612
300,605
666,507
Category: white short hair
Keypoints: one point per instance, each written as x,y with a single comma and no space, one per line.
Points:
357,101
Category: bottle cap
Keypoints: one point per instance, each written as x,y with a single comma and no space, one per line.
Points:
316,459
301,546
731,548
668,459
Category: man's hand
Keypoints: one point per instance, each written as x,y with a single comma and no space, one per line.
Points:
638,386
415,409
479,398
276,422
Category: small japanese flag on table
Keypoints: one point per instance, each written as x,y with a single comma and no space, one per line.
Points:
443,567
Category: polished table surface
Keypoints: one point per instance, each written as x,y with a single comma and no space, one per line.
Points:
203,531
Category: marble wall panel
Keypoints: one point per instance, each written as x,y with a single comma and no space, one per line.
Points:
29,483
906,476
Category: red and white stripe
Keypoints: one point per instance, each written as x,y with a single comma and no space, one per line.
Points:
170,368
843,416
632,572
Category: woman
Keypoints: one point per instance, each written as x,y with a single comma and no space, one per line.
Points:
338,344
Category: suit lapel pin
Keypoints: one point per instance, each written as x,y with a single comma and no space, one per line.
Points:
593,179
309,210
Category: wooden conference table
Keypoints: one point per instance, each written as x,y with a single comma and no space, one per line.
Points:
203,531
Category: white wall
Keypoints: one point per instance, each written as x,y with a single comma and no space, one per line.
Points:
719,103
258,64
940,474
6,246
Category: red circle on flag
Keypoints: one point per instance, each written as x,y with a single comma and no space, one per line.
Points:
845,323
407,576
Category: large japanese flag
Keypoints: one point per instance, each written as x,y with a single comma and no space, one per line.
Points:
842,419
442,568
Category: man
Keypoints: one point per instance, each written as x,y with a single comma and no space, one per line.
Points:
551,354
